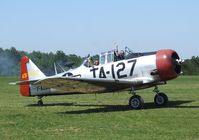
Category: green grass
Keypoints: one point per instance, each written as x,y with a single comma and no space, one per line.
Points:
104,116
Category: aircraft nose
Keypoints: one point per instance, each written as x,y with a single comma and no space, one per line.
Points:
168,64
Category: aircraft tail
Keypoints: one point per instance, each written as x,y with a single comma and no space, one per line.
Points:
28,72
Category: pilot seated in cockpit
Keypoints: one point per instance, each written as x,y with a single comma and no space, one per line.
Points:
119,55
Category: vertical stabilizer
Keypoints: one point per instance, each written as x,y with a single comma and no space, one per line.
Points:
29,72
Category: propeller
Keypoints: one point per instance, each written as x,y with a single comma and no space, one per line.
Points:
177,61
180,61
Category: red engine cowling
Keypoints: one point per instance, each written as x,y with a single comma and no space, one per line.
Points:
167,62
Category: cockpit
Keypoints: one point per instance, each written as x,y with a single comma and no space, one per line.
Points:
106,57
103,58
113,56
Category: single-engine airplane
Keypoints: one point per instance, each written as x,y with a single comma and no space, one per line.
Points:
112,71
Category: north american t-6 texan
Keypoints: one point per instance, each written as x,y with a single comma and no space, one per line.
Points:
111,71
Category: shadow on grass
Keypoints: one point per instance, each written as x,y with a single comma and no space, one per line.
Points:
117,108
92,108
51,104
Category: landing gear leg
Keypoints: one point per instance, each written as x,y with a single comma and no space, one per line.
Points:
160,98
136,101
40,102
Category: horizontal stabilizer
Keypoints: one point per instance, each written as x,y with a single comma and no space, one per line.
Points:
23,82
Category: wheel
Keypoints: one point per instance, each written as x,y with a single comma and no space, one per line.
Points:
40,102
136,102
160,99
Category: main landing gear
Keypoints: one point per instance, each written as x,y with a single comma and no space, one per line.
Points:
160,98
137,102
39,102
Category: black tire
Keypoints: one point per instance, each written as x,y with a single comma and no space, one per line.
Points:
40,103
160,99
136,102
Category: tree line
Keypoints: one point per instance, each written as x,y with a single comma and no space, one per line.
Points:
10,62
191,66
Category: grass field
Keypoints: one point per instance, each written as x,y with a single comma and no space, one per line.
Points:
104,116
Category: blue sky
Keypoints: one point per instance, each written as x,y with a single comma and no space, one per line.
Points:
93,26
